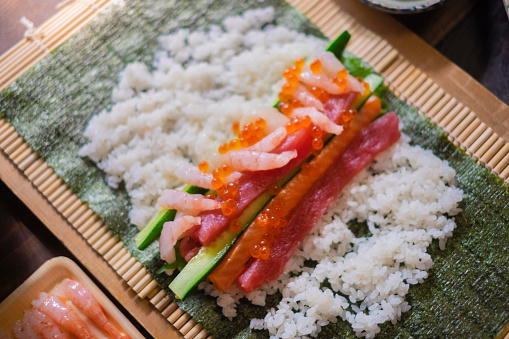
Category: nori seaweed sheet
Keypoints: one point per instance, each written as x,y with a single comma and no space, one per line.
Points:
467,292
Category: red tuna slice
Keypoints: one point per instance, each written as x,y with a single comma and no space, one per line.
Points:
188,248
373,139
252,184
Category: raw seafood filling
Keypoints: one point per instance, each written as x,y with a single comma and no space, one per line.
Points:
182,111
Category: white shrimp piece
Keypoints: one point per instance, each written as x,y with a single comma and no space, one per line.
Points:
273,118
173,231
318,119
84,300
43,325
182,201
331,66
302,94
257,161
269,142
24,330
192,175
319,80
62,315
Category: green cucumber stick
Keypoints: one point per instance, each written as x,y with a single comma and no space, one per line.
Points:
153,229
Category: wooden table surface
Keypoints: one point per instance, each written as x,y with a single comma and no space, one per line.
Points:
474,34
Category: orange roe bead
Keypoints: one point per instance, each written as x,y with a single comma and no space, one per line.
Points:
243,142
233,187
342,74
317,143
347,115
235,225
260,123
287,73
286,109
306,121
231,203
236,127
258,132
255,251
226,170
293,80
222,191
224,148
218,173
203,166
226,208
316,66
284,97
274,189
341,83
262,220
264,253
252,140
324,96
210,196
216,183
295,104
274,220
299,64
234,144
316,132
268,238
280,106
287,89
290,127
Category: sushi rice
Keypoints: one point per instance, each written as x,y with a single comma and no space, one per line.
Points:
181,109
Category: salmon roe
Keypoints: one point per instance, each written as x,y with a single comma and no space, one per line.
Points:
235,225
317,143
236,127
316,66
224,148
316,132
255,251
216,183
210,196
264,253
234,145
228,207
203,166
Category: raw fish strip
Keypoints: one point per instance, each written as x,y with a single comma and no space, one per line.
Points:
375,138
234,263
83,299
62,315
43,325
252,184
182,201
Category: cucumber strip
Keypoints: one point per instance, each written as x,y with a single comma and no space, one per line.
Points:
152,231
209,256
338,46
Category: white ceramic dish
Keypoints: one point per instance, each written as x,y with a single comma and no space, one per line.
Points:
403,6
45,279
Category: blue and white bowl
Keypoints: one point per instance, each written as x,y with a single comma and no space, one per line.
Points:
404,6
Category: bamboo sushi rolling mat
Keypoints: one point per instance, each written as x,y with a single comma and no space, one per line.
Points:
413,70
